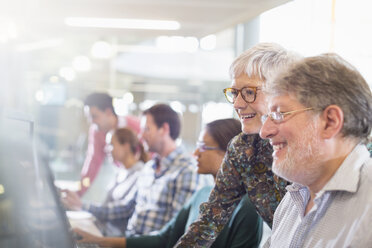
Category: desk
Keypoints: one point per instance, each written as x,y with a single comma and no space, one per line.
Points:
83,220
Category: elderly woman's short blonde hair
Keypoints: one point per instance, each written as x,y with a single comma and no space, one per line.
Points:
262,61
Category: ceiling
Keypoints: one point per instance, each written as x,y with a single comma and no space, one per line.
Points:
42,19
24,70
37,21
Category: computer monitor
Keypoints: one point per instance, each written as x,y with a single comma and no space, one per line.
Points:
30,213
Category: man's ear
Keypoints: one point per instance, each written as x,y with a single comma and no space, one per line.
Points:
333,120
165,127
109,111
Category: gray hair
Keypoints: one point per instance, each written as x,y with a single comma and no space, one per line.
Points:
325,80
262,61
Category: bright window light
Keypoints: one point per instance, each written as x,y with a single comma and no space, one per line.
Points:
42,44
178,106
120,106
81,63
188,44
133,106
39,96
163,42
8,30
54,79
191,44
101,50
208,42
323,26
67,73
128,98
214,111
193,108
146,104
122,23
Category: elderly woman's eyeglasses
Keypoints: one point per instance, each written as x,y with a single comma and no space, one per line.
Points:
247,93
202,147
278,117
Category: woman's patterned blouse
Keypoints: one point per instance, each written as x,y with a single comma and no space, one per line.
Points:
246,169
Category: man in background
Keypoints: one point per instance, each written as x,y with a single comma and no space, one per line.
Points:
100,112
169,179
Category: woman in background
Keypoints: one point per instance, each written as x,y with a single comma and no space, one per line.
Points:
119,204
244,228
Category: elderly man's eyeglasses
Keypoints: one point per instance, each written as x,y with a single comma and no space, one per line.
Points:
247,93
202,147
278,117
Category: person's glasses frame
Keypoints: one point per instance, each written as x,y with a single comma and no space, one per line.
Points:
278,117
248,94
202,147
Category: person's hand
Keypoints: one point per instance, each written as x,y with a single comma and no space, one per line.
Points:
85,237
71,200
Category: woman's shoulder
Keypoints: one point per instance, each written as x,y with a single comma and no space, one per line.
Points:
250,146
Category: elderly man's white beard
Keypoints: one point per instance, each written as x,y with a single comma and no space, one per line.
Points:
302,161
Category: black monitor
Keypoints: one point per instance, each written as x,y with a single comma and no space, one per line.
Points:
30,212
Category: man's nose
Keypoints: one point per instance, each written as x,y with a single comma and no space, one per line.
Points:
268,129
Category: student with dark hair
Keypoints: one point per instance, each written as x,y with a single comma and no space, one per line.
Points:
102,101
169,179
120,201
161,114
100,112
244,228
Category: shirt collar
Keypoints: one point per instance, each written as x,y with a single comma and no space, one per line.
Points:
166,162
124,172
295,187
137,166
346,178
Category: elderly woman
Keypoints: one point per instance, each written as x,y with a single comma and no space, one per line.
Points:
246,168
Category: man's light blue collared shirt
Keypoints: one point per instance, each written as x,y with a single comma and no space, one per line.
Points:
342,211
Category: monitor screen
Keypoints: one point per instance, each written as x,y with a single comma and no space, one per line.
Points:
30,212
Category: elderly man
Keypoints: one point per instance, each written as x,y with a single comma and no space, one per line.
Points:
320,119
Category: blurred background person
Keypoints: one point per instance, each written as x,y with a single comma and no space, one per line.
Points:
169,179
112,216
100,112
245,226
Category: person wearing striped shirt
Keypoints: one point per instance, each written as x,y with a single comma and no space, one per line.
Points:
169,179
